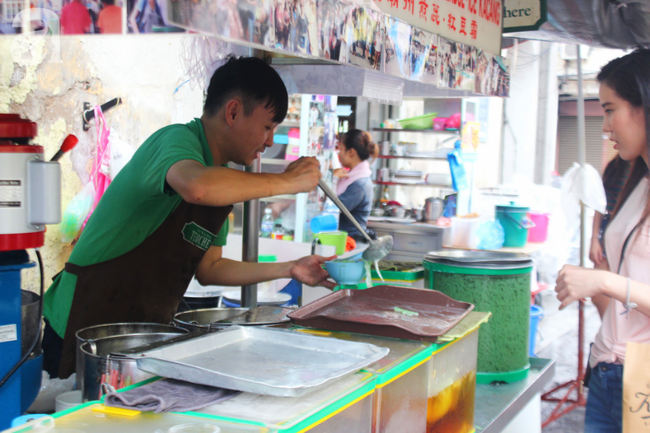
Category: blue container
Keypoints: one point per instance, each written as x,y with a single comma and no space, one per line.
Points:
536,314
324,223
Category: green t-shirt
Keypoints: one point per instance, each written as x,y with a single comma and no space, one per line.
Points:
136,203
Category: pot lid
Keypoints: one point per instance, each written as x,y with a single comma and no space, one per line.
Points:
512,207
13,126
480,259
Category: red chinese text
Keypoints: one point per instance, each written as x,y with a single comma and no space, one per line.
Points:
435,14
409,5
463,22
423,9
474,29
451,22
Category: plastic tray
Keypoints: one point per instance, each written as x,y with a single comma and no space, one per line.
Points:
372,311
259,360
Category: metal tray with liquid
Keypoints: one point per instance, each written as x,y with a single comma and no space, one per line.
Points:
386,311
259,360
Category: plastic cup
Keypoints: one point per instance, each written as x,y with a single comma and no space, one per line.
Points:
324,223
337,239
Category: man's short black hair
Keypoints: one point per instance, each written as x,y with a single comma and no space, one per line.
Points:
108,2
253,81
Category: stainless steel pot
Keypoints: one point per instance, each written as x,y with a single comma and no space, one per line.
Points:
99,366
116,329
433,208
30,322
204,320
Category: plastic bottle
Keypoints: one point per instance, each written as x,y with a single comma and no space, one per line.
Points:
267,224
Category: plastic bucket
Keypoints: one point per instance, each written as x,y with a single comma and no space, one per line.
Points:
539,233
536,314
337,239
515,222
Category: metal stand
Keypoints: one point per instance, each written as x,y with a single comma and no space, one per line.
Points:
575,384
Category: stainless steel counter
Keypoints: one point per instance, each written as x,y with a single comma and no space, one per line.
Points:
497,405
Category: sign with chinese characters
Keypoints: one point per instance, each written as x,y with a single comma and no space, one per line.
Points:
474,22
523,15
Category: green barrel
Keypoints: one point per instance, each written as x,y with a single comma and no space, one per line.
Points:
498,283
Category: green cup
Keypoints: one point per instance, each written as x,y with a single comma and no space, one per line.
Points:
337,239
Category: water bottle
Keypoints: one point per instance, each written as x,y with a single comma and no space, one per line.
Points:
267,223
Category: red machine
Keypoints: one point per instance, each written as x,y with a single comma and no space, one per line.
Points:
30,187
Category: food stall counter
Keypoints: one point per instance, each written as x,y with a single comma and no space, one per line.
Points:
498,404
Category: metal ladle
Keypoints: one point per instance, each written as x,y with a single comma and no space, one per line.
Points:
378,249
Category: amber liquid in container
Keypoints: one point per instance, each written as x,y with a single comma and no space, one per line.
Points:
452,409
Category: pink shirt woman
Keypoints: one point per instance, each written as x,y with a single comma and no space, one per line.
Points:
625,97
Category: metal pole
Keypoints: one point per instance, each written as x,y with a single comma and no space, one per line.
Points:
250,239
582,157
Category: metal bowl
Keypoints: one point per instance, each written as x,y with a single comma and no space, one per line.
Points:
207,319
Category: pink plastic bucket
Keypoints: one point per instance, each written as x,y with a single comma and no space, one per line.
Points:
538,233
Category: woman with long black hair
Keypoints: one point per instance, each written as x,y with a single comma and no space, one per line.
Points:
625,97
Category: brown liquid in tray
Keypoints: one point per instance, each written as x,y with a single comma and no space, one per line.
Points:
452,410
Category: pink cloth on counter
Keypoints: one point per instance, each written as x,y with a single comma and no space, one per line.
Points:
359,172
617,330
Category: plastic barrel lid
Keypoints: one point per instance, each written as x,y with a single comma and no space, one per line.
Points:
480,259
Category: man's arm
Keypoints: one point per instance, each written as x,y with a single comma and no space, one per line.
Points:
221,186
216,270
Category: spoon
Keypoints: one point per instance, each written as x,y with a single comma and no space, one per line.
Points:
379,248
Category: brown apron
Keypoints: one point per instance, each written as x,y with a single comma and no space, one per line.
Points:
145,284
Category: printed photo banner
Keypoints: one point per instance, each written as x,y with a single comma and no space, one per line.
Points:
474,22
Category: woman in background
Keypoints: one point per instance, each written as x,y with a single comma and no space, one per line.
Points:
625,97
354,188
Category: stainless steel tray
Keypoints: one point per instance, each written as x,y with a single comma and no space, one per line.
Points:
260,360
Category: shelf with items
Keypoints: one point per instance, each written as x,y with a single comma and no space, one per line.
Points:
422,131
420,158
379,182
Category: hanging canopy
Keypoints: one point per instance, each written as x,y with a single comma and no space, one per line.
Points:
599,23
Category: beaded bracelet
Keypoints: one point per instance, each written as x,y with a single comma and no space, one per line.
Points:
628,305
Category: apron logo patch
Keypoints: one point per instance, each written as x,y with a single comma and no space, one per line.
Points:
198,236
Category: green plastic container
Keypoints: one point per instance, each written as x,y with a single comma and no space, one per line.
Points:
515,222
419,122
494,282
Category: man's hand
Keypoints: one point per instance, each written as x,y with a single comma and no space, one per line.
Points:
308,271
574,283
302,175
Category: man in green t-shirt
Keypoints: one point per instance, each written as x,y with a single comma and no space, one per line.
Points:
163,220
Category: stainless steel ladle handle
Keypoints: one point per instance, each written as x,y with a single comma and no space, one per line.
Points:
332,196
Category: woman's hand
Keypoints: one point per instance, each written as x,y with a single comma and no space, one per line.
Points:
574,283
308,271
596,251
340,173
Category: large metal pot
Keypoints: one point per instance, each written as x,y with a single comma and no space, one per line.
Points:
433,208
115,329
30,320
99,366
204,320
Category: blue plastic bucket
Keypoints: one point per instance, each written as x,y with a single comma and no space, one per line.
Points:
536,314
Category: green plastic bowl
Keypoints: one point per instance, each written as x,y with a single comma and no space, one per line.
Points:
419,122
